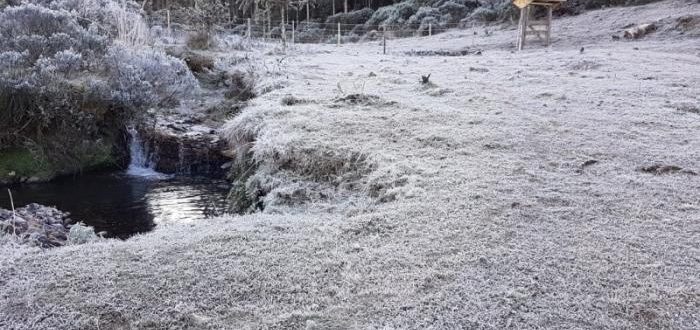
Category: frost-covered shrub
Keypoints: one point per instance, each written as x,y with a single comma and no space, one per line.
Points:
427,23
64,62
455,11
42,32
143,77
494,10
12,62
353,17
423,13
235,42
359,30
394,14
121,19
81,234
311,33
484,14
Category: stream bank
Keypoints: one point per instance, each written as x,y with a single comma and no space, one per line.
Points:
173,174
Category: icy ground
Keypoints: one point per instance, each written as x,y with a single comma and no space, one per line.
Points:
551,188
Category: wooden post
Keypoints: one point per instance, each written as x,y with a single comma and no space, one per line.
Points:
283,28
254,9
268,12
430,29
293,28
346,7
549,24
308,15
522,27
338,33
170,31
333,4
249,30
384,38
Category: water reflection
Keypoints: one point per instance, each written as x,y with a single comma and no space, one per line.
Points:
123,205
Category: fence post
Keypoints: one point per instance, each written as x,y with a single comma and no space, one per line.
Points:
549,25
384,38
170,31
522,27
249,30
284,34
338,33
430,29
293,28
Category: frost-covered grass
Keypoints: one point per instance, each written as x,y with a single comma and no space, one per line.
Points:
510,195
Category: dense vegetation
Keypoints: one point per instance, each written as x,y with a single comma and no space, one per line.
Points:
72,74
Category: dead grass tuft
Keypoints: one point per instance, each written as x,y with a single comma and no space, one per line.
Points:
241,86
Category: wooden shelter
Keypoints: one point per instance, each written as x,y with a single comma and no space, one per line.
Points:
541,29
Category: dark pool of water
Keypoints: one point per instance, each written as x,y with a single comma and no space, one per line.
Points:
123,205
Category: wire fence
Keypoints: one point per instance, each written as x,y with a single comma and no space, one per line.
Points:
292,32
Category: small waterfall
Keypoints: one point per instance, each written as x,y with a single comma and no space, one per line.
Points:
141,163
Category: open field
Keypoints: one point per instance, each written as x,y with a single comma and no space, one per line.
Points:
552,188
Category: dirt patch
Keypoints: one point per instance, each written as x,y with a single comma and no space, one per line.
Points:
290,100
443,52
373,226
688,24
583,65
661,169
687,108
482,70
362,99
585,164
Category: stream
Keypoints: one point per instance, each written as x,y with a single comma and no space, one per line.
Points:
125,203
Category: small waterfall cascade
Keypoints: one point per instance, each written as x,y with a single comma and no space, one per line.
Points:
141,164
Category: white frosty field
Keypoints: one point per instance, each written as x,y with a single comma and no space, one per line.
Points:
550,188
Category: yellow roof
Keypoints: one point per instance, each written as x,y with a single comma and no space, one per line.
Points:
521,3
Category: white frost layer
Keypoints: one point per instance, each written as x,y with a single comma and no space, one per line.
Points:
496,222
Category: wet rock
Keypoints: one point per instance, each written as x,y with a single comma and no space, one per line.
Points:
36,225
183,145
639,31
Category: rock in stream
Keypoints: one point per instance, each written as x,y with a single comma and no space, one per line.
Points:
39,225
